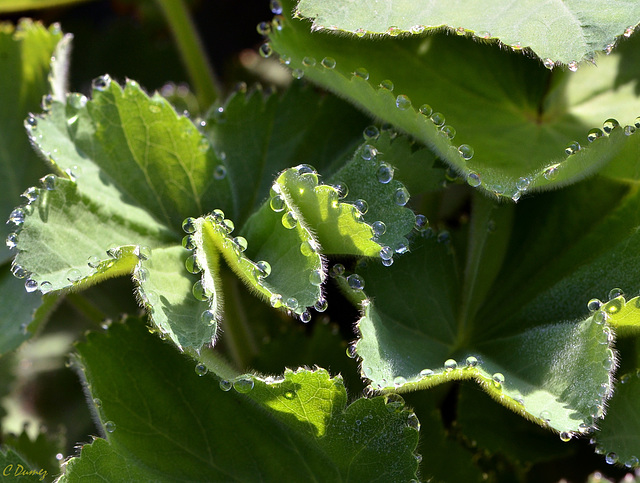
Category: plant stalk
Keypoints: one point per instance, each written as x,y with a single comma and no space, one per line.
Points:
205,82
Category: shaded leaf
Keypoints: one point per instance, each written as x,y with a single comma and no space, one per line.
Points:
295,427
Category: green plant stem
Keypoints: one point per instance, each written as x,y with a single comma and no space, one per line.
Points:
238,336
206,84
86,308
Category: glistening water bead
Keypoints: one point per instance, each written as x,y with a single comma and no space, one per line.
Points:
329,63
355,281
403,102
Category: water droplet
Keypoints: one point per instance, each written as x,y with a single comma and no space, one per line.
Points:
97,402
471,361
309,62
523,184
285,59
277,203
355,281
316,277
76,101
403,102
219,172
265,50
421,222
263,28
74,275
342,189
385,173
614,306
207,317
609,125
599,318
336,271
49,182
636,123
611,458
615,293
276,7
240,243
399,381
243,384
16,217
192,265
187,242
448,131
549,63
379,228
275,300
226,385
387,85
629,31
573,66
201,369
417,29
443,237
414,422
46,287
450,365
545,416
277,22
393,31
297,74
189,225
262,269
425,110
516,45
351,351
368,152
289,220
360,32
473,179
321,304
292,303
30,285
629,130
426,373
101,83
401,196
551,172
565,436
305,317
572,148
31,194
200,292
437,118
12,240
498,379
110,426
632,462
594,304
218,216
329,63
362,73
394,402
370,133
143,252
227,226
594,134
386,253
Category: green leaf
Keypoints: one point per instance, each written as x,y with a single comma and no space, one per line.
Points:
617,436
556,31
15,466
25,62
502,121
297,427
21,314
165,289
508,328
42,451
285,130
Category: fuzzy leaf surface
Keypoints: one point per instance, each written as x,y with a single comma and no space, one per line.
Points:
561,31
310,432
517,118
533,346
